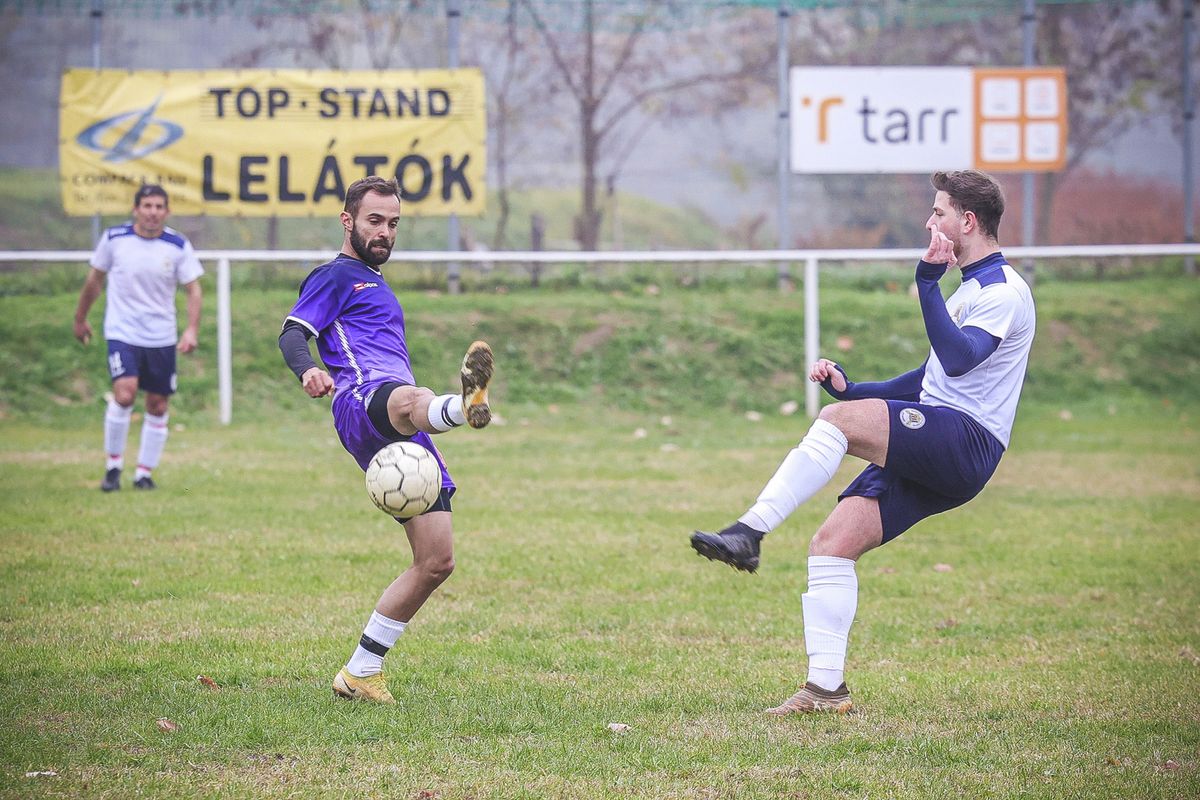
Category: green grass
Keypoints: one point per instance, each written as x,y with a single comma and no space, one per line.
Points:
1057,658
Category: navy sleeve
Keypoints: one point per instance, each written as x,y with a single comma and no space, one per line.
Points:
293,343
959,351
901,387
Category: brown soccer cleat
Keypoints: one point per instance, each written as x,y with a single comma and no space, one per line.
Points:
812,699
476,373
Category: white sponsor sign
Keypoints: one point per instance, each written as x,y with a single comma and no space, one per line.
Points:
921,119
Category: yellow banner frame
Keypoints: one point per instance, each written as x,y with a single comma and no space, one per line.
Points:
262,142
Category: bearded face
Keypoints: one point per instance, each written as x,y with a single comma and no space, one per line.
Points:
374,252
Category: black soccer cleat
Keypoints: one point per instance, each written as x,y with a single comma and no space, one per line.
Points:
736,545
112,480
145,482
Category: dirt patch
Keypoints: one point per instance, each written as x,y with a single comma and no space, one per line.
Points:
593,339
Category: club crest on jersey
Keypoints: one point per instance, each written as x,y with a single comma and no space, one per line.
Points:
911,418
358,287
956,315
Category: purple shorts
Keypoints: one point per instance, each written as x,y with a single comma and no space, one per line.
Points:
938,458
362,441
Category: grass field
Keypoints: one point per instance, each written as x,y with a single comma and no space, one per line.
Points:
1058,656
1043,641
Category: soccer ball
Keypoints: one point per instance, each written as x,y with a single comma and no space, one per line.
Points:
404,479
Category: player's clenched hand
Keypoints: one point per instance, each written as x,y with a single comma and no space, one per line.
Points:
824,368
317,382
941,249
83,332
188,341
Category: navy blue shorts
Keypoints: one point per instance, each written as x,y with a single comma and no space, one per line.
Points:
154,367
938,458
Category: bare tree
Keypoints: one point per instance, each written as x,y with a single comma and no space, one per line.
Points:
612,75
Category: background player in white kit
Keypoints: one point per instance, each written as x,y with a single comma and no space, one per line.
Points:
934,435
144,262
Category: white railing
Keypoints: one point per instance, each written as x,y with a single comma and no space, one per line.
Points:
810,259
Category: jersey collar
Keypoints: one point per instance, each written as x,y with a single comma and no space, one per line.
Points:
985,264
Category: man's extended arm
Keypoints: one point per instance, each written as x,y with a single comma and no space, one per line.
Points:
293,343
901,387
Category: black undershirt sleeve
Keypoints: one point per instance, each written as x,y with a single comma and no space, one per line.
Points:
293,343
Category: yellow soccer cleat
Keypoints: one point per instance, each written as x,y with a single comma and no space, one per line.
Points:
372,688
812,699
476,373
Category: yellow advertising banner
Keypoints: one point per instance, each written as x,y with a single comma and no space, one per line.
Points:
272,142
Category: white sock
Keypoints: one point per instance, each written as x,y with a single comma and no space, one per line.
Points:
116,431
381,633
804,470
829,606
446,412
154,439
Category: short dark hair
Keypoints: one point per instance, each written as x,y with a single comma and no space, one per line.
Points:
372,183
150,190
974,191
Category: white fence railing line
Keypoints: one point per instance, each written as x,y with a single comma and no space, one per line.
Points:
811,259
654,256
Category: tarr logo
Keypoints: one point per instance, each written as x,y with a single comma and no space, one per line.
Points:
138,141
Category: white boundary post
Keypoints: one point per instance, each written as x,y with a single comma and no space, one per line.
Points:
812,337
224,343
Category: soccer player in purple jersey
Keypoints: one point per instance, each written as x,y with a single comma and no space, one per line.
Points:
934,435
359,326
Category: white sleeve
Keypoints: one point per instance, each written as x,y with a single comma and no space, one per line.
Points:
996,310
188,268
102,258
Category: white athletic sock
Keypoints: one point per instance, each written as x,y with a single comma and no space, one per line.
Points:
804,470
829,606
446,412
378,637
116,431
154,439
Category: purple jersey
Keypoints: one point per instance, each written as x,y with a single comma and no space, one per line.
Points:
359,325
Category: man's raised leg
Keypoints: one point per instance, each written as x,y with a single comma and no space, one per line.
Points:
859,427
415,408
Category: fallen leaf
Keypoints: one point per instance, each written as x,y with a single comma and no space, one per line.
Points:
1169,765
942,568
788,408
1065,415
669,447
639,433
207,681
845,343
42,773
946,624
165,725
618,727
666,421
754,416
1190,655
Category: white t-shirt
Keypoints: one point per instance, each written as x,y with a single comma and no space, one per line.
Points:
142,277
996,299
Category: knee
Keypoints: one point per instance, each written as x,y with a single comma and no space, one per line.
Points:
124,396
834,413
156,406
435,571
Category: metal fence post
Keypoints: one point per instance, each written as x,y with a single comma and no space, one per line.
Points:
812,336
224,343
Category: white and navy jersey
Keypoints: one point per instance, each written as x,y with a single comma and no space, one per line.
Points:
995,298
358,322
142,277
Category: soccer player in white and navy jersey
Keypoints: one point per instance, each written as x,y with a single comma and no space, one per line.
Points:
359,326
933,435
144,262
